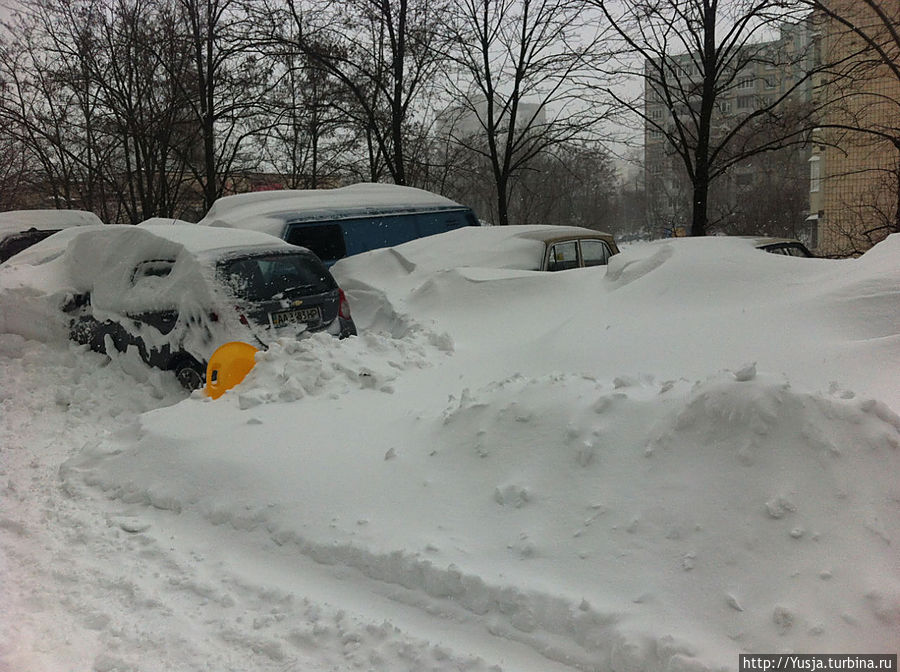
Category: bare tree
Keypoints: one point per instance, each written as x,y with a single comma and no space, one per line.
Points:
117,101
310,140
228,81
13,172
526,74
713,91
573,183
40,109
383,54
137,66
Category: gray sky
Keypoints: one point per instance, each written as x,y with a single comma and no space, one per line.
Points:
5,6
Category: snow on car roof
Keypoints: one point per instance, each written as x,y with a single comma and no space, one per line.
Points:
167,221
15,221
551,232
268,211
206,242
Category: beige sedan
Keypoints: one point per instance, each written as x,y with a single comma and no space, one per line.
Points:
568,247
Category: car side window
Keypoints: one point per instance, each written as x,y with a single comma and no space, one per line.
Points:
563,256
595,252
325,240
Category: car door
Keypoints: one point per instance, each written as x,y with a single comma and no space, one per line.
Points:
594,252
562,255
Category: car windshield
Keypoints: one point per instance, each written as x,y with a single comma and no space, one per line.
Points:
274,276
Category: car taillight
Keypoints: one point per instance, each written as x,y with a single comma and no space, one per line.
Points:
344,309
241,316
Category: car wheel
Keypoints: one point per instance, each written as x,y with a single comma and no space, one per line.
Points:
188,373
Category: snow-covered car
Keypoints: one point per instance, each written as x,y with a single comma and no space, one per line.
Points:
176,293
517,247
787,246
335,223
20,229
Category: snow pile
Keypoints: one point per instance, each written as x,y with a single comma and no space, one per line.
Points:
34,286
690,456
587,519
292,369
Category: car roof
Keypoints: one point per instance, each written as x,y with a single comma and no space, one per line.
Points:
269,210
760,241
209,243
17,221
552,234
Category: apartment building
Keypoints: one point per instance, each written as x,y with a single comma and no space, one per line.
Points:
854,173
769,72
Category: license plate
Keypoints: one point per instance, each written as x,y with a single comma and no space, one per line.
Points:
286,317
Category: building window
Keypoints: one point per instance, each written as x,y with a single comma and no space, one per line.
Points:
746,83
745,102
815,174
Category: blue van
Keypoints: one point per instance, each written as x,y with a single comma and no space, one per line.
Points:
335,223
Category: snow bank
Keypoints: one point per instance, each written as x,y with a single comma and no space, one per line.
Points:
657,467
592,520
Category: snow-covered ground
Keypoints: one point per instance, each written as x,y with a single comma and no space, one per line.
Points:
690,455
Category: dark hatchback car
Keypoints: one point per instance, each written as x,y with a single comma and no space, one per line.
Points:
176,293
20,229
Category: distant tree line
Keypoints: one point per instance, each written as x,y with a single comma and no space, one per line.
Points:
141,108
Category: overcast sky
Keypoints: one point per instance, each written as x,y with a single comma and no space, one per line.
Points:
4,10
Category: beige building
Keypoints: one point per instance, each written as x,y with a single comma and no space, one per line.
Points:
853,174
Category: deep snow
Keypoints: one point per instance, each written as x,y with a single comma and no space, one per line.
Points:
657,466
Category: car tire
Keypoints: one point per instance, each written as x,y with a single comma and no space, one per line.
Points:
189,372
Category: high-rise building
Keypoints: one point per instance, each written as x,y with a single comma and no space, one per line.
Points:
855,164
771,73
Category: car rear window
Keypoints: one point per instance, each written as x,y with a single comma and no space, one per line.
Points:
17,242
267,277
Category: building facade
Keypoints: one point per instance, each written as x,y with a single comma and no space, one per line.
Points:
771,75
855,165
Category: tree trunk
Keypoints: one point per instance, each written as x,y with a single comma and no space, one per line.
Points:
699,218
397,113
700,203
502,200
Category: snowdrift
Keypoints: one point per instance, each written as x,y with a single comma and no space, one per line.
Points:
691,455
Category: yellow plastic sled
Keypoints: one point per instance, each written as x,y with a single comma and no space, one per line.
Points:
228,366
